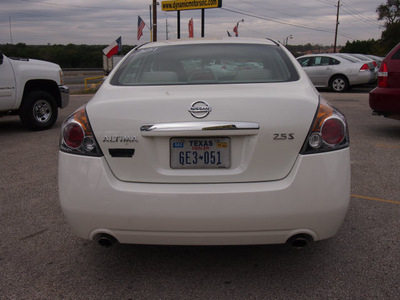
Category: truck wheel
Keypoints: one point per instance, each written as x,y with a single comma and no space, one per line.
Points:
38,110
339,83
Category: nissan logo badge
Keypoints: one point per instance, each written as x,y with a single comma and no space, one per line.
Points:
200,109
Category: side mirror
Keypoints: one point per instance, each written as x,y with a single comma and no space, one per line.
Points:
1,58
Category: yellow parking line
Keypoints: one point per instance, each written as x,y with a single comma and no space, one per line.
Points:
376,199
388,146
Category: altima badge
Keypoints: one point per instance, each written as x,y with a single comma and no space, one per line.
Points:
120,139
200,109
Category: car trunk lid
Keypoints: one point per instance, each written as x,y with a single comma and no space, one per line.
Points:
252,132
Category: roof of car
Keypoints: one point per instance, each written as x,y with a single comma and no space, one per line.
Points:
216,40
333,55
317,54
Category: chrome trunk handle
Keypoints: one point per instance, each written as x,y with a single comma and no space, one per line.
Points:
194,128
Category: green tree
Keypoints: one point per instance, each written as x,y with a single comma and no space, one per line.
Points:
364,47
67,56
390,13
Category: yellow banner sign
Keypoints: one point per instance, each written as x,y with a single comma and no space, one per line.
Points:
189,4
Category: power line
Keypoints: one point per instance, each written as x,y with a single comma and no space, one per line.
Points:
70,5
268,8
355,13
326,2
241,12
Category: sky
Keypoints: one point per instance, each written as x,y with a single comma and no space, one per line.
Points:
101,22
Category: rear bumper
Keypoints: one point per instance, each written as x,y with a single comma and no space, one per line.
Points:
312,199
363,77
385,101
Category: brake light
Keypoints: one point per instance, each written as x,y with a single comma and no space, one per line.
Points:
383,76
77,136
374,63
364,67
328,132
73,135
333,131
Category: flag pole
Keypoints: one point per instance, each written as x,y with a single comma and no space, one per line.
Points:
151,26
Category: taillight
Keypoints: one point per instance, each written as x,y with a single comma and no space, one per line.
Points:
364,67
333,131
73,135
328,132
77,135
374,63
383,76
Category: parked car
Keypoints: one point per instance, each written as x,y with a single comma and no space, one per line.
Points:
377,59
385,98
358,58
363,57
354,57
32,89
337,71
167,152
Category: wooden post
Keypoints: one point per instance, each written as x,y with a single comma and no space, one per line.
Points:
202,22
154,20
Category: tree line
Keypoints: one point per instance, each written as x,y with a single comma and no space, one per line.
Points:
67,56
91,56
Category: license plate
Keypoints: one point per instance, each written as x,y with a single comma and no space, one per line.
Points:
200,153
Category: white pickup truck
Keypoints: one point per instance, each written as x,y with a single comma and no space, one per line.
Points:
32,89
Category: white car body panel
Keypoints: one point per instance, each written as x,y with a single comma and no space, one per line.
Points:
32,69
7,85
207,214
255,157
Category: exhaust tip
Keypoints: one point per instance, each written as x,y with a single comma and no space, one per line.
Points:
105,240
299,241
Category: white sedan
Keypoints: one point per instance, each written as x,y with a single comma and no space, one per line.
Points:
167,152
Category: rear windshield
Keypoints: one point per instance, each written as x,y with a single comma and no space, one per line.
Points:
348,58
396,55
205,64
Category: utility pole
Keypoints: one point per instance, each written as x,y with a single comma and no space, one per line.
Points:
154,20
166,28
9,20
151,25
337,25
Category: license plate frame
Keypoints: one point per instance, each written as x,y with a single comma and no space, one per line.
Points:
200,153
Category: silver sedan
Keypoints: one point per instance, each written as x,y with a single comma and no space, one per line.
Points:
336,72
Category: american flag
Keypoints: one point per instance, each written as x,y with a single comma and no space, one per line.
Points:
140,26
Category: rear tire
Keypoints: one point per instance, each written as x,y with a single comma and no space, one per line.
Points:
339,84
38,110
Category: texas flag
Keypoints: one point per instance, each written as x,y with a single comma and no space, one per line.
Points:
191,34
114,48
236,31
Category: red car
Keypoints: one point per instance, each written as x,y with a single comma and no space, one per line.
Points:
385,99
